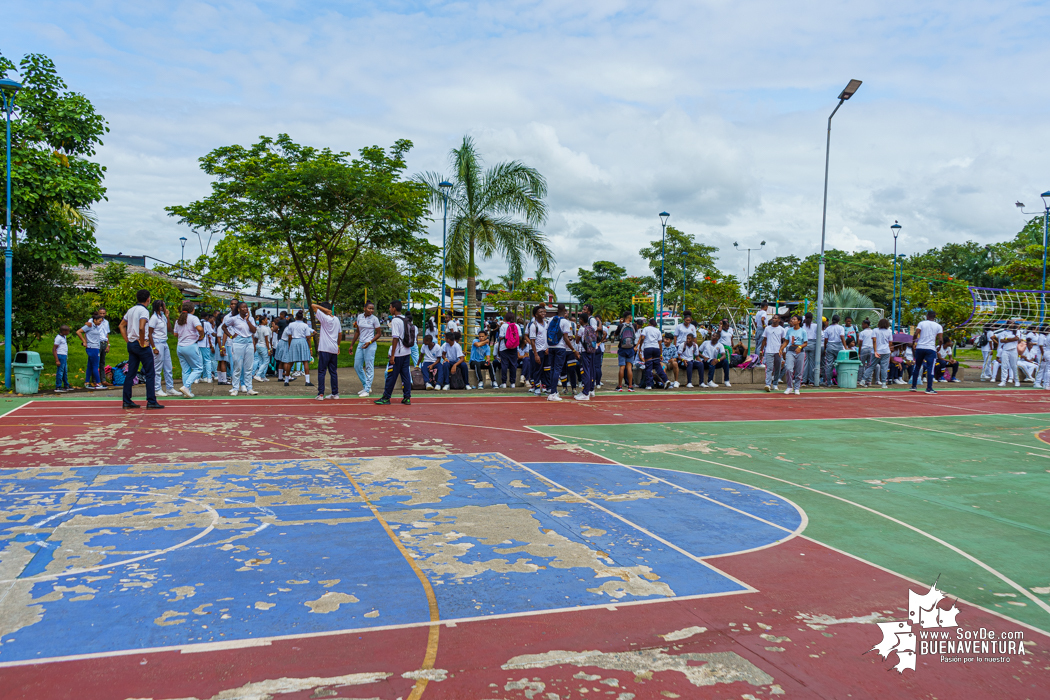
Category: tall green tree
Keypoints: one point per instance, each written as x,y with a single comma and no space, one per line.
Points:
492,211
54,135
322,207
605,286
685,260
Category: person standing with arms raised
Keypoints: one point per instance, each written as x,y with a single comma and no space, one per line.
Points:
134,329
366,333
327,348
399,359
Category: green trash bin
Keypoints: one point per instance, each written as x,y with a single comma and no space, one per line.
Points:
847,366
26,369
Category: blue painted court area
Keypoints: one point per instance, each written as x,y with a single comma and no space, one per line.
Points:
104,559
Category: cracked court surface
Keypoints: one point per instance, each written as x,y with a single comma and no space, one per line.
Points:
456,552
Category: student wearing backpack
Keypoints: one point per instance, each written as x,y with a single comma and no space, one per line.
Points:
588,355
509,339
536,334
559,334
625,352
402,338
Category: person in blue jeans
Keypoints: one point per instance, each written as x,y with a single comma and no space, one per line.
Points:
928,335
133,328
91,338
61,351
363,347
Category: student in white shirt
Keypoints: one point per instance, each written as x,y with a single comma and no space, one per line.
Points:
834,341
263,346
813,337
866,346
239,330
796,339
453,360
684,329
536,334
689,359
1029,363
650,341
204,346
714,355
1008,354
558,351
189,330
431,360
987,336
507,347
133,329
929,334
773,355
399,359
327,348
90,336
60,348
366,333
880,349
761,321
158,325
1042,378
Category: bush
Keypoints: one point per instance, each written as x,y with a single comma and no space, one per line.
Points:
43,298
117,300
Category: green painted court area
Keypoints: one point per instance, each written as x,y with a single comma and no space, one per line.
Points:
963,497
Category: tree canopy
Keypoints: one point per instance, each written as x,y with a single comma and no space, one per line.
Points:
54,133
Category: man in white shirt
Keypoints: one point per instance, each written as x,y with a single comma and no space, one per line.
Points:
263,345
866,346
451,325
558,351
1008,354
366,333
133,328
987,336
536,334
103,345
773,346
812,335
834,341
399,362
649,342
928,336
714,355
327,348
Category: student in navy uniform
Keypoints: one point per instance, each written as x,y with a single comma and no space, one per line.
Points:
536,333
400,358
134,329
559,330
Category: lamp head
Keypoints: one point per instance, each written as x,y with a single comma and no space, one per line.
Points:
10,86
1046,199
1019,205
183,239
735,244
445,185
896,228
850,88
761,244
664,216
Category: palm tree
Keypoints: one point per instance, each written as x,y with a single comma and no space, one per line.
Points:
491,211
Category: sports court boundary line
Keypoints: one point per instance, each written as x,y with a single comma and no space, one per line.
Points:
5,414
1024,591
962,435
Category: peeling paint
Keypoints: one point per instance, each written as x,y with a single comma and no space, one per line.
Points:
684,633
330,602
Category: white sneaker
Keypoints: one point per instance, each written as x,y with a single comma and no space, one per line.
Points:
186,392
252,392
591,394
206,381
445,388
521,382
1002,383
727,384
582,397
319,397
233,392
689,385
798,392
768,389
676,385
788,391
429,386
1017,383
537,391
468,387
884,385
502,386
363,392
553,397
160,393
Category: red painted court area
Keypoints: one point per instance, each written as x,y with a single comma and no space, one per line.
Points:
802,633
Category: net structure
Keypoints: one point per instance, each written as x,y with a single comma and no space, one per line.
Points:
998,307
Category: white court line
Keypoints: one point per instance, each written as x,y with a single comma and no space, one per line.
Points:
7,413
963,435
1024,591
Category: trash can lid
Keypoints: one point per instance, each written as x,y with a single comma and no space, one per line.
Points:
27,357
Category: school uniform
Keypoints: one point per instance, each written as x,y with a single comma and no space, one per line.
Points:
987,354
1029,364
365,352
881,338
835,336
926,352
204,347
158,324
651,340
558,352
761,323
328,351
714,355
263,334
508,357
299,349
794,357
689,360
451,354
61,347
813,336
431,361
188,351
537,332
92,340
241,351
399,366
1008,357
774,338
867,353
139,356
1043,377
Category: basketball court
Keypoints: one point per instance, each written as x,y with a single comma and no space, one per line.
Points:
636,546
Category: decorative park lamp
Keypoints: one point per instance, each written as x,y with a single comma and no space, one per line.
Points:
896,228
445,186
182,259
8,89
1046,233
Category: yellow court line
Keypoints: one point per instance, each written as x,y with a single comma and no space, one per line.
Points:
430,656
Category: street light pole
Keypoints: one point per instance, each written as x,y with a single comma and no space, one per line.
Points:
8,89
1046,231
182,259
556,284
747,278
663,249
847,93
896,228
445,186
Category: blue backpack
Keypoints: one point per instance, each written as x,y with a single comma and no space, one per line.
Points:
554,332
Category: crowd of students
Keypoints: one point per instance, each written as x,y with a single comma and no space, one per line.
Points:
1009,350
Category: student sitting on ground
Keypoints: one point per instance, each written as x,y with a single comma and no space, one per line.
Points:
714,355
452,362
481,359
431,361
689,360
670,359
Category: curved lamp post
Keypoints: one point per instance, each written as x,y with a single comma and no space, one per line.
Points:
846,93
1046,230
8,89
747,279
556,285
445,186
664,216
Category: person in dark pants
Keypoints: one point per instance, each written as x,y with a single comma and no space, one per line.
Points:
558,351
133,328
103,347
928,335
327,348
507,345
399,361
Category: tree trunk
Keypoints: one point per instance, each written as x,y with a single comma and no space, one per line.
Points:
468,300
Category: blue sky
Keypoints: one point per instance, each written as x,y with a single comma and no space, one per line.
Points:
715,111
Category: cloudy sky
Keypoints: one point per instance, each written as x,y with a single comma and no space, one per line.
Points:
712,110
